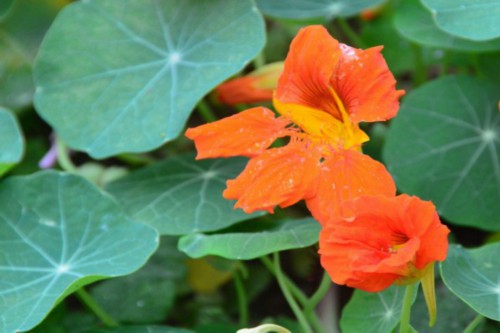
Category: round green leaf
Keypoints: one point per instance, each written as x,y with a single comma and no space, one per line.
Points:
11,141
135,298
142,329
480,17
283,235
21,33
179,196
473,275
57,233
415,23
445,146
306,9
373,312
123,76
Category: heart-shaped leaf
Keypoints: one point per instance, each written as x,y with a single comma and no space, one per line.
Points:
11,141
21,32
445,145
473,276
415,23
179,196
57,233
306,9
123,76
278,236
481,17
373,312
142,329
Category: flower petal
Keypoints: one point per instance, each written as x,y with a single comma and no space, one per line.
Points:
346,175
365,85
247,133
309,65
279,176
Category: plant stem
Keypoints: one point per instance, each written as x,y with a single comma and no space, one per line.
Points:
63,157
297,293
289,297
92,305
242,298
350,33
474,324
319,294
404,324
205,112
420,74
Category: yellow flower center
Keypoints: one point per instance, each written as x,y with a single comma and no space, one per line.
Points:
322,127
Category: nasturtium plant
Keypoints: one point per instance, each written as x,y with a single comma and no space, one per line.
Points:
482,18
181,166
11,141
180,196
54,244
447,149
472,275
282,235
110,84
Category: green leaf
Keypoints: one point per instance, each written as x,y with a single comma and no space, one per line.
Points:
488,65
472,275
57,233
282,235
470,19
124,76
11,141
445,145
5,7
373,312
142,329
21,33
135,298
306,9
415,23
448,305
179,195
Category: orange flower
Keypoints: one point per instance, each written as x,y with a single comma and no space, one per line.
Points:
257,86
383,240
325,90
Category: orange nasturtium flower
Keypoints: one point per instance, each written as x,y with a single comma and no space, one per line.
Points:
325,91
384,240
256,86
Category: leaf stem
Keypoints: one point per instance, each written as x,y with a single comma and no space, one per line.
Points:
297,293
314,300
350,33
242,298
474,324
404,325
205,112
63,156
93,306
288,295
